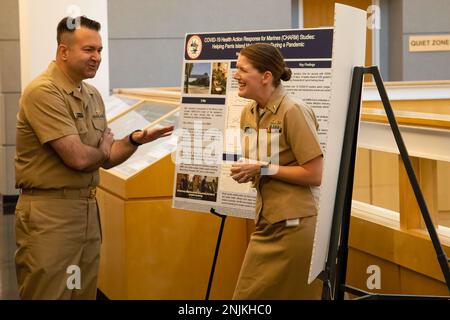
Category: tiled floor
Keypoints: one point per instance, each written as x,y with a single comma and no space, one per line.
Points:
8,284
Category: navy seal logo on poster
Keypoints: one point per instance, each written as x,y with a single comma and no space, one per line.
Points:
194,47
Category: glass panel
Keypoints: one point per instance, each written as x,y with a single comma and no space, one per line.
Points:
139,118
170,120
116,105
151,152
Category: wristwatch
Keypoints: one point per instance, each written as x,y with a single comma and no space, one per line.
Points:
133,142
264,168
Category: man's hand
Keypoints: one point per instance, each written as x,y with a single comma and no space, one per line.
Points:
122,149
245,172
151,134
106,143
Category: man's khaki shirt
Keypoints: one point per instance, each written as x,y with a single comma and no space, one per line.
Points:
293,127
52,107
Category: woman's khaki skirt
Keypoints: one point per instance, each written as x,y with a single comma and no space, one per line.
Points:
277,262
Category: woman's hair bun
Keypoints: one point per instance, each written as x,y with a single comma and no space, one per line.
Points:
286,75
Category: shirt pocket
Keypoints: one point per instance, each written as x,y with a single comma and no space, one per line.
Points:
81,125
79,118
99,124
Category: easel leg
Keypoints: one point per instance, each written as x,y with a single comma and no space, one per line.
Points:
216,253
441,256
336,267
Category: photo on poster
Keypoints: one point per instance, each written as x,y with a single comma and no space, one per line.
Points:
219,78
197,78
196,187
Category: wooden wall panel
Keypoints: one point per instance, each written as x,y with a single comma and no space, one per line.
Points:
321,14
359,261
362,180
415,283
443,176
384,177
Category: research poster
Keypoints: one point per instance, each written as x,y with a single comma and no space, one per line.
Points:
209,140
322,62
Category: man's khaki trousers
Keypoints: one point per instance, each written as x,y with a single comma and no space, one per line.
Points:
58,246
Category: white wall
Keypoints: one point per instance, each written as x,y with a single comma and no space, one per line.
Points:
38,21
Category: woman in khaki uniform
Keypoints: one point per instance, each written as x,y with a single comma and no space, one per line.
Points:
278,257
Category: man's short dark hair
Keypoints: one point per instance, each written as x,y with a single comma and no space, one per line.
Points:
69,24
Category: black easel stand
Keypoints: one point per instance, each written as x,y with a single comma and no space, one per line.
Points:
334,275
216,253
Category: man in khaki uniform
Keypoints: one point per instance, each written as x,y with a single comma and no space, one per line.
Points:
62,141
